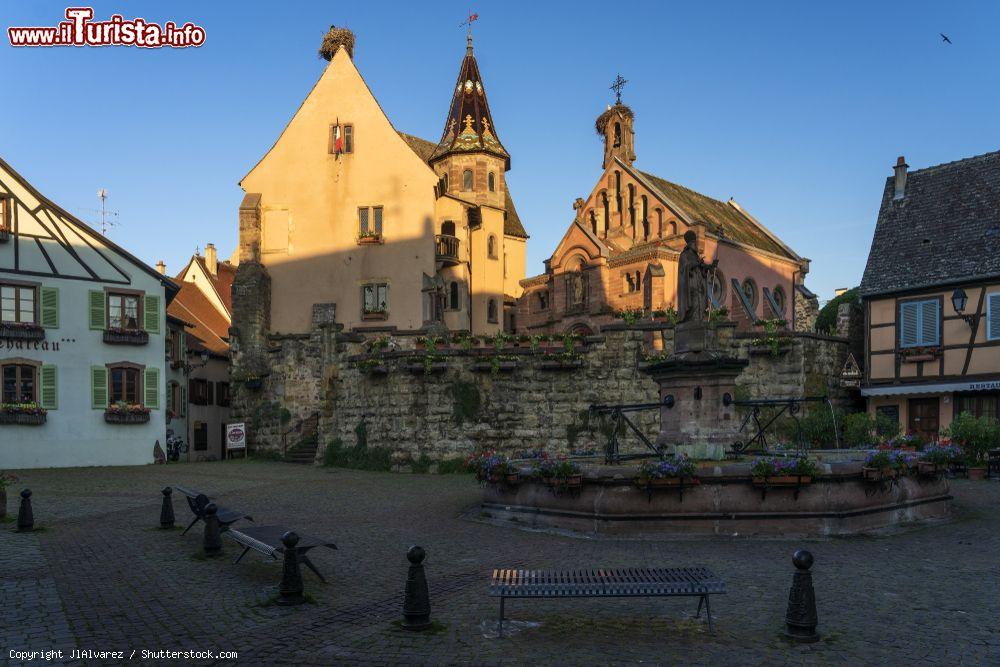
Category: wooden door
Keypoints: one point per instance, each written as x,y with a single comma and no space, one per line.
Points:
924,417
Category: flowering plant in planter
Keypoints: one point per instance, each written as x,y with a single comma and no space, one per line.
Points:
489,466
22,409
775,467
629,315
557,470
881,463
123,408
938,456
676,467
909,442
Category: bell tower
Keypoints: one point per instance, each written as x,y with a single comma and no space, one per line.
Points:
469,158
614,126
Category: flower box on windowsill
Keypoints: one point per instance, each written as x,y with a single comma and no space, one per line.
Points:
22,418
370,239
374,315
915,354
126,417
125,337
18,331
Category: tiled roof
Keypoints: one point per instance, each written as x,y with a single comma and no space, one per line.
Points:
512,222
722,218
210,328
945,229
222,280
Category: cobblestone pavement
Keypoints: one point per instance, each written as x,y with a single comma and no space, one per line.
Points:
102,577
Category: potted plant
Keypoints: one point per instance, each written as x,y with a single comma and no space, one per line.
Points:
671,472
544,468
783,471
126,413
976,436
489,467
936,458
567,473
5,479
883,464
22,414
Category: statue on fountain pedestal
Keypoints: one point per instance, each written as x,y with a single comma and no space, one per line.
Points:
693,280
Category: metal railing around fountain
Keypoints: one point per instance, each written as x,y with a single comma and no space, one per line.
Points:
757,443
619,419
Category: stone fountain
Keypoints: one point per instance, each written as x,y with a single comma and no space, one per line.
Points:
696,418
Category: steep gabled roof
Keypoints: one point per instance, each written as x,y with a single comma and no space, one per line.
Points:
425,150
469,125
945,229
722,218
209,329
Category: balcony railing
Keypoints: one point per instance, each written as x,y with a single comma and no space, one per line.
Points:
446,248
19,331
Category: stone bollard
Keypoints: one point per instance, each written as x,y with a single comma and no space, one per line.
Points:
167,509
213,533
290,590
800,617
417,599
25,517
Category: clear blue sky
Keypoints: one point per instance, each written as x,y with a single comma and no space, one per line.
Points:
798,110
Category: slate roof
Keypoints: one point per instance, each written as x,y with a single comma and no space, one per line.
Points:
425,150
945,229
718,216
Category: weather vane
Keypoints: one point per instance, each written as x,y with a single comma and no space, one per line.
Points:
472,17
617,86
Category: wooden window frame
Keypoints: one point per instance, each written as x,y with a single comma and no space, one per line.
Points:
140,308
19,285
140,370
198,391
331,147
348,130
220,389
17,362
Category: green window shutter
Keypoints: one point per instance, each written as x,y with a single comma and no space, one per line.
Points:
152,393
151,313
49,302
98,387
993,316
97,305
48,391
184,401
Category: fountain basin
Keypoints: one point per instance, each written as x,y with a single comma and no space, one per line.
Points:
722,501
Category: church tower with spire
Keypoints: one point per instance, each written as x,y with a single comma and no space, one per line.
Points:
469,158
614,126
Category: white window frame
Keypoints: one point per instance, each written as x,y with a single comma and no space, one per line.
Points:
918,309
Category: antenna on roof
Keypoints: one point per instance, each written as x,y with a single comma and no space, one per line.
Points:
106,222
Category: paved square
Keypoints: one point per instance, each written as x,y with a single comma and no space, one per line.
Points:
102,577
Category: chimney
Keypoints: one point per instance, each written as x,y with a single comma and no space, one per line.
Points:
900,170
161,267
211,259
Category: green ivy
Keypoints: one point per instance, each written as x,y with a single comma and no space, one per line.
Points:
466,401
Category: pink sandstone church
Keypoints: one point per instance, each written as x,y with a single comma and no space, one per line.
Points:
620,252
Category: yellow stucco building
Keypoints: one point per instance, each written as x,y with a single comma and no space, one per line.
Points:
398,232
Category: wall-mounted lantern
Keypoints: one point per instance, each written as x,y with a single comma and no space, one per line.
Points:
959,300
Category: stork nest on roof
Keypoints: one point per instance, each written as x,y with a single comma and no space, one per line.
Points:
602,120
334,39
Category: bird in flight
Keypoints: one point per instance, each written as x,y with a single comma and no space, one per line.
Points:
944,37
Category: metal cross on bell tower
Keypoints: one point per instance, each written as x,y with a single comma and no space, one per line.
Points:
617,86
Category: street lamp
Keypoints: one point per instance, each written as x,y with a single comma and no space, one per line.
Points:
959,299
203,355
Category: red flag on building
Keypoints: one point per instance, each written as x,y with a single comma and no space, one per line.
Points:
338,139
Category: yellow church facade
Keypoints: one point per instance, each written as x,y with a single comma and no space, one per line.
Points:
399,233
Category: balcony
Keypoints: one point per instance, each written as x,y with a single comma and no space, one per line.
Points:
125,337
446,249
21,331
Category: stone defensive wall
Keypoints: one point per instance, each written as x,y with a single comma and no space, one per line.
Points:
447,401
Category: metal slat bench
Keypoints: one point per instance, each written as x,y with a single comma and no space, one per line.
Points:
199,501
266,540
631,582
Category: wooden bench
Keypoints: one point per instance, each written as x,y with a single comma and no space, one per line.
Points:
628,582
199,501
267,540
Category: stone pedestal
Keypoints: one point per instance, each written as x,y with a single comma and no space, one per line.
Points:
692,410
693,383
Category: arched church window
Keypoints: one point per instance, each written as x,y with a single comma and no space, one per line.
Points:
659,222
631,207
593,222
491,246
467,179
453,302
604,205
492,182
491,310
618,134
645,218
